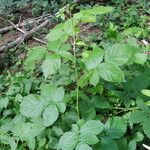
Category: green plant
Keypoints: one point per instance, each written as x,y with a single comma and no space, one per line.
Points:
74,94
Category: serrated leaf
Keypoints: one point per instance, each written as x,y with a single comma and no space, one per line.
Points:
68,141
111,73
116,127
66,55
140,58
51,65
100,102
146,127
146,92
89,138
56,33
94,79
61,106
137,117
84,79
93,127
54,45
53,143
58,94
50,115
94,59
83,146
107,144
35,55
132,145
31,106
3,103
117,54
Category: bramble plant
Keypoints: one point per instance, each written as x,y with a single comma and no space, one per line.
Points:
76,94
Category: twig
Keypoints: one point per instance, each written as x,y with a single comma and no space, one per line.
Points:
39,40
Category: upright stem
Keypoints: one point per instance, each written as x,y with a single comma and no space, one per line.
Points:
76,75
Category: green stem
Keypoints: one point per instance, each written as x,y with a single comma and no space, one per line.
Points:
76,75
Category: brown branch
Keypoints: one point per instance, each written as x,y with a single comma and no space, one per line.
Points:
26,36
31,22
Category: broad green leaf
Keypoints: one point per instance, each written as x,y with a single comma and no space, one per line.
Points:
107,144
98,10
140,58
122,144
69,27
50,115
111,73
31,106
93,127
132,145
56,33
83,146
89,138
66,55
100,102
83,81
27,131
117,54
115,127
94,59
51,65
146,92
146,127
137,117
35,55
61,106
58,94
31,144
53,143
54,45
68,141
3,103
94,79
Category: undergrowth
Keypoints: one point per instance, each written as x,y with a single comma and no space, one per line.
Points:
80,91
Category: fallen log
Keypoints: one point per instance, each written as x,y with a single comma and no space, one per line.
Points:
24,37
20,25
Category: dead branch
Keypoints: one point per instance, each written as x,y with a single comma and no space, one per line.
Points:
26,36
31,23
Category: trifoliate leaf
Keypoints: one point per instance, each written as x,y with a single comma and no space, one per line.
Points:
115,127
50,115
111,73
83,146
93,127
32,106
68,141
